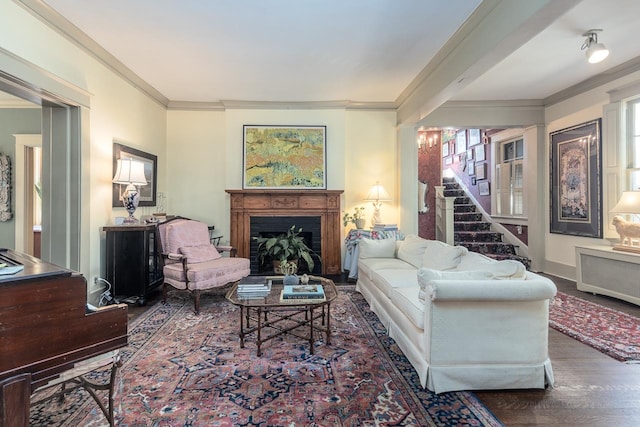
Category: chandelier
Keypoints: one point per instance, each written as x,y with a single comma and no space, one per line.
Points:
426,142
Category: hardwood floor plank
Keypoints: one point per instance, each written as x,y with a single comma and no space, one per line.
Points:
591,389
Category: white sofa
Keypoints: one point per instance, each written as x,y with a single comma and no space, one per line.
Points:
463,320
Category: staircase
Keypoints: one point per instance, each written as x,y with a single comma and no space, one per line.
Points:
472,232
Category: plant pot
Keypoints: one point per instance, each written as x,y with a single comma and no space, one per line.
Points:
360,223
277,269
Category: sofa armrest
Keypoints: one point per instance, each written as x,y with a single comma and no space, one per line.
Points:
491,290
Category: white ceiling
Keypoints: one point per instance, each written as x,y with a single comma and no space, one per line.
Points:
336,50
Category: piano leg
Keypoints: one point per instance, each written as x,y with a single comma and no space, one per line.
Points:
74,379
14,401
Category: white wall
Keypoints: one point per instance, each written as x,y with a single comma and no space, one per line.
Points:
116,110
560,249
205,155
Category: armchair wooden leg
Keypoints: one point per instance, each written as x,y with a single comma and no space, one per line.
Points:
164,293
196,300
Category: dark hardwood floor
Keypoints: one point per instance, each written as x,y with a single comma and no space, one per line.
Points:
591,389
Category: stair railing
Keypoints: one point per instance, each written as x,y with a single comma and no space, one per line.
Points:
444,216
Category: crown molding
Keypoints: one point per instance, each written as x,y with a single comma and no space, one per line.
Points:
62,26
608,76
195,106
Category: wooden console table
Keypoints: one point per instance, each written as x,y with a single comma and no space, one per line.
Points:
601,270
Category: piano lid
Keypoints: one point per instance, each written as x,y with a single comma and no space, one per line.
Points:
34,268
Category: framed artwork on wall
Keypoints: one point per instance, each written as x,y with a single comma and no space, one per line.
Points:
471,167
576,181
479,153
147,192
483,188
481,170
474,137
445,149
284,157
461,141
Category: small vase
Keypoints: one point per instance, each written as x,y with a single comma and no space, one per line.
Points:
360,223
290,279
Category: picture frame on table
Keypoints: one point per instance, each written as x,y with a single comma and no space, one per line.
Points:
284,157
576,181
147,192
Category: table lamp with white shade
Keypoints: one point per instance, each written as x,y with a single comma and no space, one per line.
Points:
131,173
377,194
629,203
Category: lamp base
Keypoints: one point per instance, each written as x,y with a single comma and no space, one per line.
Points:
130,200
626,248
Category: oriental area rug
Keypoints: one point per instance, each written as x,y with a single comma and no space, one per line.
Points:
181,369
609,331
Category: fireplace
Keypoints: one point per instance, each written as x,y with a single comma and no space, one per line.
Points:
316,211
269,226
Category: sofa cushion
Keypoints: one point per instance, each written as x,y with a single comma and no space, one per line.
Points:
200,253
426,275
474,261
368,266
441,256
508,269
384,248
407,300
412,249
387,280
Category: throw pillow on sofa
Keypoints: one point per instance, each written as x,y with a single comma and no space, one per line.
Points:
384,248
412,249
441,256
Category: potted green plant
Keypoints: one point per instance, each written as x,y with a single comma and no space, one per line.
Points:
356,218
283,248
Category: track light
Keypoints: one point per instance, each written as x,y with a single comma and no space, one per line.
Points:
596,52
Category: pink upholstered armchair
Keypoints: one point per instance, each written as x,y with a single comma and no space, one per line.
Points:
192,263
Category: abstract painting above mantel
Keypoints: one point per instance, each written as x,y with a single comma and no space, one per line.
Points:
576,193
284,157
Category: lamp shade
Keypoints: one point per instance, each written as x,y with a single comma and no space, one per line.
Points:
377,193
129,171
596,52
629,203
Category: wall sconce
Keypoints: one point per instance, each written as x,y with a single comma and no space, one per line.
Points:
629,204
425,142
131,173
377,194
595,51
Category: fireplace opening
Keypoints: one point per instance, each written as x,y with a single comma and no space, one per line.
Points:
272,226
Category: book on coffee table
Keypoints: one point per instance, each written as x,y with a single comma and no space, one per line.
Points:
285,300
311,291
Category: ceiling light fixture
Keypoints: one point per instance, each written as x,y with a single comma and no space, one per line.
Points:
596,52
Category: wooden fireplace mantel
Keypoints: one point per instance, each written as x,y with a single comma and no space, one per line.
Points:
322,203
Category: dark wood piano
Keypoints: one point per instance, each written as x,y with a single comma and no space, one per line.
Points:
45,330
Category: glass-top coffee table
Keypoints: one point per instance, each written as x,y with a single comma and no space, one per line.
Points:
269,317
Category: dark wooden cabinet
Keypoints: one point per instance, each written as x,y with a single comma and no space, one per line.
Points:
132,261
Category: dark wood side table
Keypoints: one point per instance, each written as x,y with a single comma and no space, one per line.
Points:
132,261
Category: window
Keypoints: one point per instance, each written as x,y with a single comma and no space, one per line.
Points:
510,179
633,164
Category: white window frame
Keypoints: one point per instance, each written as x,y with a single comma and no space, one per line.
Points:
506,190
632,181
